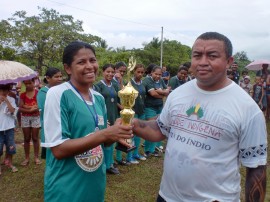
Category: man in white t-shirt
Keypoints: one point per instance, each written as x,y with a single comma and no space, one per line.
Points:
212,126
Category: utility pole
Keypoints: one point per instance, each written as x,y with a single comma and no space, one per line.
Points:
161,47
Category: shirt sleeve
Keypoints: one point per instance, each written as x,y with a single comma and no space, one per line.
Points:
55,119
164,118
253,142
148,85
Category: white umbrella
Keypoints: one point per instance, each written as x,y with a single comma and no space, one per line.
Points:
12,72
257,65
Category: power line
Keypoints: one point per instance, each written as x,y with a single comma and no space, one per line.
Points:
104,15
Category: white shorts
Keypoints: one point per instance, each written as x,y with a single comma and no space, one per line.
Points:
30,122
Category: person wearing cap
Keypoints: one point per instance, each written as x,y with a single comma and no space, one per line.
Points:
246,85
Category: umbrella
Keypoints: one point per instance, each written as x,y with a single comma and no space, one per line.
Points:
257,65
12,72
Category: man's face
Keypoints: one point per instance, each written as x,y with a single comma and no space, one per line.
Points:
234,67
209,63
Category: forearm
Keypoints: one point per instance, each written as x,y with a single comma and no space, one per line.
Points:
77,146
255,187
148,130
10,107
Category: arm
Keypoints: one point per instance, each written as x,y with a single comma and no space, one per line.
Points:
11,109
28,109
147,130
255,187
155,94
72,147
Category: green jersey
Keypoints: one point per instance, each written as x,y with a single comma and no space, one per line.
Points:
41,96
110,94
68,116
139,102
175,82
149,85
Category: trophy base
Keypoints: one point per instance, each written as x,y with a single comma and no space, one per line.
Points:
123,148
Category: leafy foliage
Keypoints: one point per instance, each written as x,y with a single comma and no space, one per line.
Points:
41,38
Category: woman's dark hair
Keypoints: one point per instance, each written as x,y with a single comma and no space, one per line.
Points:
120,64
155,68
106,66
137,66
51,71
150,68
182,67
71,50
5,86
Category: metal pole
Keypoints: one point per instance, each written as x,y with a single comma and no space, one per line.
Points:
161,47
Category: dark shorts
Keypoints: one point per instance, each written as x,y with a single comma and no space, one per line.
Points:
7,138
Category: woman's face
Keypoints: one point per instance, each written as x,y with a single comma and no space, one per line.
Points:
138,73
108,74
156,74
83,68
55,80
29,84
182,74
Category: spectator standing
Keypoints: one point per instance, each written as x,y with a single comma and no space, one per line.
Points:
30,121
109,90
52,77
165,75
246,85
235,73
8,111
179,79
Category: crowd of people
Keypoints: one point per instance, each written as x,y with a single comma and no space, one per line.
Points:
208,123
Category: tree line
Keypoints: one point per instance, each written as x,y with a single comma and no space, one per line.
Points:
38,41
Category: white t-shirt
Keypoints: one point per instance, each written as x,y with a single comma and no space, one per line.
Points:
209,134
7,119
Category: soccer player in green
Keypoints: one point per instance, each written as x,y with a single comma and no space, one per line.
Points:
180,78
75,127
109,90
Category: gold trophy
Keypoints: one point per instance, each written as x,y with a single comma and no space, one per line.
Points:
127,97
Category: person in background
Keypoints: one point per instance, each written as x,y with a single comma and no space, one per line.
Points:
246,85
120,71
8,110
75,127
38,84
30,120
165,75
156,90
179,79
109,90
235,72
118,79
244,74
203,163
258,92
136,82
52,77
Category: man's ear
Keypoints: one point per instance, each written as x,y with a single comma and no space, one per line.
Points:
229,62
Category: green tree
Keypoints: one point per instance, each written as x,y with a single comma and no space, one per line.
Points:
41,39
242,60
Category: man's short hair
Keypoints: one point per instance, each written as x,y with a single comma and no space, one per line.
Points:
219,37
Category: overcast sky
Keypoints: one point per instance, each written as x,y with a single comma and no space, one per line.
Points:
130,23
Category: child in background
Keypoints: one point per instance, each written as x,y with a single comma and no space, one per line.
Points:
258,92
246,85
52,77
244,74
30,121
7,124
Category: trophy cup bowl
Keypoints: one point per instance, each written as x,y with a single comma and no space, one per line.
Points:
127,99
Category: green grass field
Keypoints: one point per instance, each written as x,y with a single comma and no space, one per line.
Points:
135,183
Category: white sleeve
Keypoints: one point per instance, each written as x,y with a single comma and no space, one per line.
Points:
253,142
164,118
52,119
